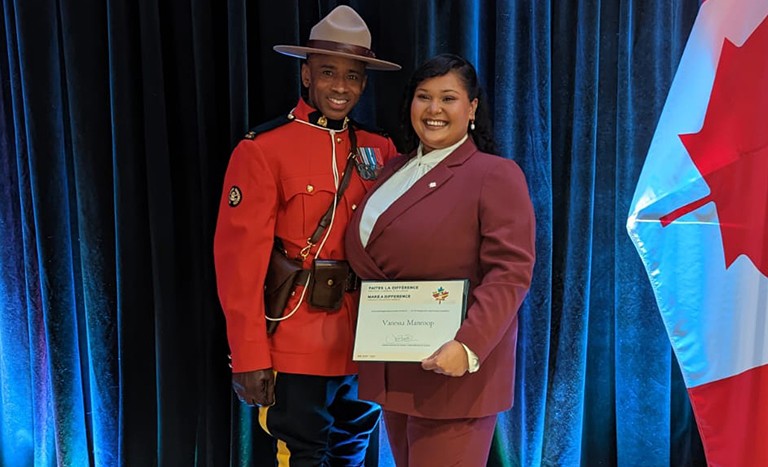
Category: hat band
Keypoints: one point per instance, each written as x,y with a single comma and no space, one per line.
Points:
339,47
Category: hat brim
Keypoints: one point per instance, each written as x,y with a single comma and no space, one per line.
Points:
302,52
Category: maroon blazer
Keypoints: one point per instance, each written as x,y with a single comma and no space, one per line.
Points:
470,217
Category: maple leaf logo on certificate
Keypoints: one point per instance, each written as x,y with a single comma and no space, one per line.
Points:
440,294
733,145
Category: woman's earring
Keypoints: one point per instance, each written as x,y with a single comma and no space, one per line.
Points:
472,125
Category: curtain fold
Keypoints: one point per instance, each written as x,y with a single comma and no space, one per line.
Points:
117,122
523,119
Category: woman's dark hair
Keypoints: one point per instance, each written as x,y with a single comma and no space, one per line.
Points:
441,65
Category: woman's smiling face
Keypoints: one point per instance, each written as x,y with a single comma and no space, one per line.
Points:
441,111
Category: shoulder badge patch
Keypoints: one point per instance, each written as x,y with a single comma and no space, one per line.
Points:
235,196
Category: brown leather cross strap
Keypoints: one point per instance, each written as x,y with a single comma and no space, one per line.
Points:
325,221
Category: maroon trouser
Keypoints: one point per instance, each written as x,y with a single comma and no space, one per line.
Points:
426,442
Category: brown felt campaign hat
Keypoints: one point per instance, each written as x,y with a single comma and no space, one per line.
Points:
342,33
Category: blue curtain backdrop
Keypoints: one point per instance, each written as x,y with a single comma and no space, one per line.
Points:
118,118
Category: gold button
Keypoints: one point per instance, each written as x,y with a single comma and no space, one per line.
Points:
310,188
339,140
354,206
330,281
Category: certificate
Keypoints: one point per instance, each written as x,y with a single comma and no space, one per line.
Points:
405,321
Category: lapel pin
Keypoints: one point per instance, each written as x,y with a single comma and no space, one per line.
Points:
432,184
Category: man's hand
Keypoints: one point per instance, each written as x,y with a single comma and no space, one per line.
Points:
450,360
255,387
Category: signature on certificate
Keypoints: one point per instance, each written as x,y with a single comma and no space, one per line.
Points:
399,339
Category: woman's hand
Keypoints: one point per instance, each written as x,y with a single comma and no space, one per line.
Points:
450,360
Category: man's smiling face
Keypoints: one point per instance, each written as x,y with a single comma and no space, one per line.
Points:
335,83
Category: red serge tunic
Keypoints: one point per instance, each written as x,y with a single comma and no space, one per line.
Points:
280,183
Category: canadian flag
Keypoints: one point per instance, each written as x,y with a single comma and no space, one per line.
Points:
699,219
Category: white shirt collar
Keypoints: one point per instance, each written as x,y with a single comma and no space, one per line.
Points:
433,157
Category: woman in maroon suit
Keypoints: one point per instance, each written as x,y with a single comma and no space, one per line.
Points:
448,209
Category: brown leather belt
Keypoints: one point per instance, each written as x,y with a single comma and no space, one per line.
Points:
352,283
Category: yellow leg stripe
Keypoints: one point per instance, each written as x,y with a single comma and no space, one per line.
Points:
263,419
283,454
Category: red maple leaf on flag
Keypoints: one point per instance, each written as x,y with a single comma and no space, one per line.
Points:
731,150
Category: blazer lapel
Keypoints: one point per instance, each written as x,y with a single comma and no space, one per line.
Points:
425,186
365,267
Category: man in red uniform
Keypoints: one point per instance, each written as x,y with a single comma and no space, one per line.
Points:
281,180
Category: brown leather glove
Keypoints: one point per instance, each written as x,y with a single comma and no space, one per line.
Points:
255,387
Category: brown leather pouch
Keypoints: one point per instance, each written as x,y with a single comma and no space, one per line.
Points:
329,279
282,275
